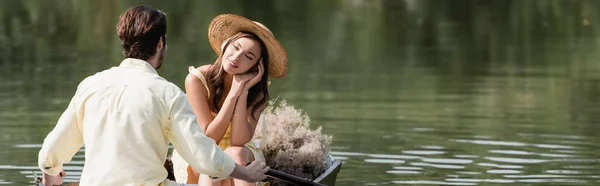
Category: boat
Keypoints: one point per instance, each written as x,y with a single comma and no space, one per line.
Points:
328,177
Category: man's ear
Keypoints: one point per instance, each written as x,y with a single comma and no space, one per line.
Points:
160,44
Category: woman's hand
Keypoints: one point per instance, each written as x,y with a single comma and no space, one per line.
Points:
257,77
238,84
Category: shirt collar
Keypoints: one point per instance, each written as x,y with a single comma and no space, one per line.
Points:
137,64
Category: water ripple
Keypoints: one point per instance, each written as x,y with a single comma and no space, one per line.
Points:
14,167
432,147
466,156
552,181
447,160
425,182
555,136
339,157
581,167
390,161
338,153
403,172
511,152
491,142
563,172
512,144
501,166
537,176
423,129
393,156
423,152
480,180
556,155
518,152
408,168
28,146
552,146
503,171
516,160
442,166
467,172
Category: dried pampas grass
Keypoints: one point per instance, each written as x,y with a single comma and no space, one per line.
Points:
290,145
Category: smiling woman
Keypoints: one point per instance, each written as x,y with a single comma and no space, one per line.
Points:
229,96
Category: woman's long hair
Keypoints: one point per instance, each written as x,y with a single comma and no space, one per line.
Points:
216,75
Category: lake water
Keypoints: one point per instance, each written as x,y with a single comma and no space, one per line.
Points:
413,92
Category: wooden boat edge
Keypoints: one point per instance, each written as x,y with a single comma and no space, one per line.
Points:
330,175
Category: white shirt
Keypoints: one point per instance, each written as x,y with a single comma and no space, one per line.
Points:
126,116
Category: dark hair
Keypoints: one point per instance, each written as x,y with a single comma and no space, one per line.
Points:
140,28
216,75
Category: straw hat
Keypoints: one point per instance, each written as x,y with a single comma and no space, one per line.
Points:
226,25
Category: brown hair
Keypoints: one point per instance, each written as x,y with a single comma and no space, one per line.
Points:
140,28
216,75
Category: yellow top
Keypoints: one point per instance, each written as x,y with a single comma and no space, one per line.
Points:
226,140
180,168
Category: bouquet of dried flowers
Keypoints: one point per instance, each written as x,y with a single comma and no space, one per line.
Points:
291,145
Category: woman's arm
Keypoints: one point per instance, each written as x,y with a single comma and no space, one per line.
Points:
243,123
196,95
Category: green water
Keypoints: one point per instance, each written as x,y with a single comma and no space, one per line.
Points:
486,92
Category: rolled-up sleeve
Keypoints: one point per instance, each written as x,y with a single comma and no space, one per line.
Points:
62,142
200,151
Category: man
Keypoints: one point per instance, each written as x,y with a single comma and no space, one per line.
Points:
125,117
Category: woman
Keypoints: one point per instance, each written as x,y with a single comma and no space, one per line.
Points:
229,96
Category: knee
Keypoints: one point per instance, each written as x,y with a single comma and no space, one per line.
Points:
239,154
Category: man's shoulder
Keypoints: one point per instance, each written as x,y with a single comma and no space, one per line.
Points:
92,79
170,86
166,87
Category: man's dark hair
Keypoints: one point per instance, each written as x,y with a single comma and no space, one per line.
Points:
140,28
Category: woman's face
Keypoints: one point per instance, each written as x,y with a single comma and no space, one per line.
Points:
241,55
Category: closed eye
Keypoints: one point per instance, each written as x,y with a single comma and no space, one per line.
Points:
250,55
235,46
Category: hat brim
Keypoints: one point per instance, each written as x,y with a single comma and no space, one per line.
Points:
226,25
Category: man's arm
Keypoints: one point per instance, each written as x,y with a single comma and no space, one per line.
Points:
200,151
62,142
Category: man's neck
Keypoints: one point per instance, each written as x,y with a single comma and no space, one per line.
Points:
153,61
